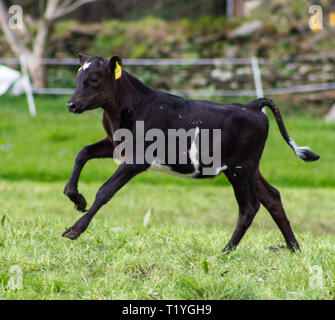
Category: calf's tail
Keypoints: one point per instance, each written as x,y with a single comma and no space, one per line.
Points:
303,153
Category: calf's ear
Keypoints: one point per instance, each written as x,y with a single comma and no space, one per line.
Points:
82,58
115,67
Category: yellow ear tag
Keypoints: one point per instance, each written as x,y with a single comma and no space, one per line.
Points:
80,68
117,71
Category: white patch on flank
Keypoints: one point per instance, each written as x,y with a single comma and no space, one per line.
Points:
193,152
156,166
86,65
220,169
299,151
117,161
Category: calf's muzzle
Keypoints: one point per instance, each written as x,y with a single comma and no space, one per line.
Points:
73,107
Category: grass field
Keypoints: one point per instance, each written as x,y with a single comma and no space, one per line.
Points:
177,255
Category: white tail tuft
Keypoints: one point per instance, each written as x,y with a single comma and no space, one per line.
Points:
303,153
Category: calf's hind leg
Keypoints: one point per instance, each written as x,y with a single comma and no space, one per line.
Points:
270,199
244,189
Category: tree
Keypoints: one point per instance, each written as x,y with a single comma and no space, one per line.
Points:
33,48
234,8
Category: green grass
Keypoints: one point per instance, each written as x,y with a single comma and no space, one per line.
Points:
119,258
177,256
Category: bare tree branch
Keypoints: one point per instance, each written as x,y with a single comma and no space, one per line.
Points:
50,11
64,5
70,8
27,35
41,38
14,41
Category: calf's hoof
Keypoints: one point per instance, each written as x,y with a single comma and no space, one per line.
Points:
80,203
228,249
78,200
294,247
71,234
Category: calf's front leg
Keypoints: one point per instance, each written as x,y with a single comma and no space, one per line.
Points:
101,149
122,175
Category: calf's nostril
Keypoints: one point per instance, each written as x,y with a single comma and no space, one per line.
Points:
71,105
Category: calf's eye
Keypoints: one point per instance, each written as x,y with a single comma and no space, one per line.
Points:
94,80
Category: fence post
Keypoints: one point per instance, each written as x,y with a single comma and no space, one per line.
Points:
256,72
28,87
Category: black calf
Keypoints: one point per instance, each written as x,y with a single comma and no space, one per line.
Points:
243,133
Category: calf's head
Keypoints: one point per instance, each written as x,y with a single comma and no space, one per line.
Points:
96,83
